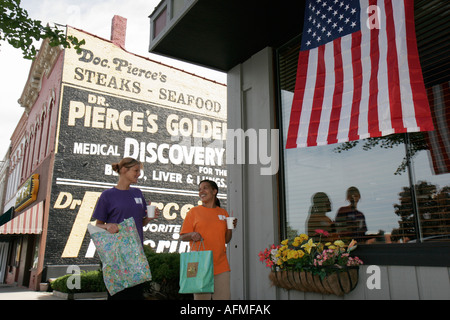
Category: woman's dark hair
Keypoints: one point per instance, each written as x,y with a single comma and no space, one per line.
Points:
125,163
320,203
214,187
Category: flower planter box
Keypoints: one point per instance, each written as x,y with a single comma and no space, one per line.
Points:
337,281
304,265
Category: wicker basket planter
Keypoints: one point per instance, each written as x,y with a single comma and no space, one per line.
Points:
337,281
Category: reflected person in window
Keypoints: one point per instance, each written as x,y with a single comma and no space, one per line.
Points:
350,222
318,219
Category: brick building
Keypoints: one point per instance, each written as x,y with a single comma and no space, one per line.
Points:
83,112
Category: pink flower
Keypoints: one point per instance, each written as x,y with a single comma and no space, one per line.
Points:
322,232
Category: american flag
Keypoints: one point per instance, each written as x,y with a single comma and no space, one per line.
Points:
358,73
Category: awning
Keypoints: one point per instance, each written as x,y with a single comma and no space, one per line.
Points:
7,216
28,222
222,34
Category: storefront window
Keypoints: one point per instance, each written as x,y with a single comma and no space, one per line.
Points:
394,189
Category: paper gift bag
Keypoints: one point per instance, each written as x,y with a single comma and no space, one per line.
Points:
124,263
197,271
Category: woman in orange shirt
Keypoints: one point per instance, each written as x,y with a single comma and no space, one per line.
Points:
208,222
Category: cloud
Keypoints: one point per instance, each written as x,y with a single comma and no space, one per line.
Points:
14,71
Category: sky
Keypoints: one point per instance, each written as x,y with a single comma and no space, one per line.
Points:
93,16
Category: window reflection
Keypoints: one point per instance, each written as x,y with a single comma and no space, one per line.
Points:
362,190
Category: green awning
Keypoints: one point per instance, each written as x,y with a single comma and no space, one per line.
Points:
7,216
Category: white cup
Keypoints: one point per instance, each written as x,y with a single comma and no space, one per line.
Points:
151,211
230,222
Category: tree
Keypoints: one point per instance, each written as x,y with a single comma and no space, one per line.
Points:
417,143
19,30
433,208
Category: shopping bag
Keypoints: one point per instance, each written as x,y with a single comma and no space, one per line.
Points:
124,263
197,271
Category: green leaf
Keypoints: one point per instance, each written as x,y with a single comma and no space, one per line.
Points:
20,31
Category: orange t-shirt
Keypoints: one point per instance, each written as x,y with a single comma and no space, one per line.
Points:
212,225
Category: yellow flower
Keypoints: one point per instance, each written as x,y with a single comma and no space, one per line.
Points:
332,247
328,244
303,237
295,243
309,245
293,254
285,242
339,243
300,253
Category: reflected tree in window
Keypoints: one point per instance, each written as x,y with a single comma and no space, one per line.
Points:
417,142
434,213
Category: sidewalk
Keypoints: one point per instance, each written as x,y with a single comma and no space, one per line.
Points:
12,292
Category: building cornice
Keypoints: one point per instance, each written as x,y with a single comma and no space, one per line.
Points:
42,65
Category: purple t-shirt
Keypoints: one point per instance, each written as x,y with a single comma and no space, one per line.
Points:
116,205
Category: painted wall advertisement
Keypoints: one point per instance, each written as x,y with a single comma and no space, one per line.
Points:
115,104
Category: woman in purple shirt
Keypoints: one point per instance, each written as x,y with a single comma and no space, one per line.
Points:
122,202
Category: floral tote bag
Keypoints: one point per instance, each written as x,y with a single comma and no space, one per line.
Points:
124,262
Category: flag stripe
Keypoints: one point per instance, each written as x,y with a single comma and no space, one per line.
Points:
338,92
363,122
407,100
421,111
318,98
344,115
299,90
357,85
329,84
384,113
393,72
309,90
373,82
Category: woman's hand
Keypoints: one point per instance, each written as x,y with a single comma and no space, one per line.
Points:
147,219
194,236
112,227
